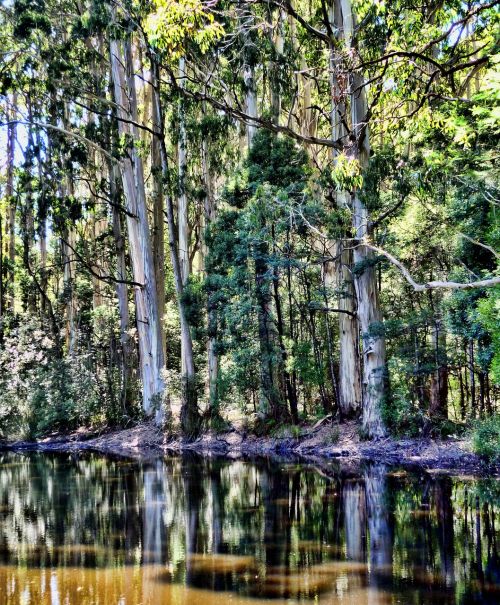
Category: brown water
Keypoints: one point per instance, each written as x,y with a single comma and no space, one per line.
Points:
188,531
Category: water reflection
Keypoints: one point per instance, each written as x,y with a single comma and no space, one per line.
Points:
90,530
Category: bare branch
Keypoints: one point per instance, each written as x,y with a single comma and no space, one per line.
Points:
432,285
477,243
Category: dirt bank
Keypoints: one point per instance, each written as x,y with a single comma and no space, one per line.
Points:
321,442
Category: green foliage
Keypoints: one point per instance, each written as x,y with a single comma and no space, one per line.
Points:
486,438
242,264
400,411
30,17
346,174
194,300
178,22
488,312
42,392
429,184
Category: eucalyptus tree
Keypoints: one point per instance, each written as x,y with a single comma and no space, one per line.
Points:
388,64
121,119
148,318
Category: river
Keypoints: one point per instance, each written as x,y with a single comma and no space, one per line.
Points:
90,530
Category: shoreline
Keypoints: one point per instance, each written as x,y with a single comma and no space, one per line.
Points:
144,442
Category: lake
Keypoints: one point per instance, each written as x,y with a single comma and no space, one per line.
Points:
85,529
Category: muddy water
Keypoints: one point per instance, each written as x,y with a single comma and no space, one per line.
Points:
94,531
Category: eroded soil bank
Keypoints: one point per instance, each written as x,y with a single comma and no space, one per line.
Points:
317,443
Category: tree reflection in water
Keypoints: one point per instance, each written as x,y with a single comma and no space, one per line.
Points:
88,529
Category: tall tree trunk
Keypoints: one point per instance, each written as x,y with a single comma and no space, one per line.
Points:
71,309
11,201
369,313
190,418
290,391
69,275
249,75
339,273
182,202
147,315
183,223
274,69
158,225
368,305
472,378
42,220
2,292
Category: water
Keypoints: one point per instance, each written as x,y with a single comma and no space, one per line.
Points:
93,531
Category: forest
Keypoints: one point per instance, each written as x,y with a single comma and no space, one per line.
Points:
263,212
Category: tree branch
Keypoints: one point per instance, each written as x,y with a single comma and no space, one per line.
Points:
432,285
105,278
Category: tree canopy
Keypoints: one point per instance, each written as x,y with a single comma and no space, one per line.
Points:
267,211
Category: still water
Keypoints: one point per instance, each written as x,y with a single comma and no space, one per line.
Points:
189,531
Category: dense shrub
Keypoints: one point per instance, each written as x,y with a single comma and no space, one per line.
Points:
42,392
486,438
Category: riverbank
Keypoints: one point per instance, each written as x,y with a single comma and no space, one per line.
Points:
321,442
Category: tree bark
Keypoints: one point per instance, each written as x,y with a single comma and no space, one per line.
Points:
368,305
270,399
290,391
182,201
190,418
183,223
339,273
147,315
249,80
158,225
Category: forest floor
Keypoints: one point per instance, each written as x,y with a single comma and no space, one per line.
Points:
319,443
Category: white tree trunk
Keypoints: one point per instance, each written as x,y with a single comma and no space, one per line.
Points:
183,202
147,316
246,23
350,394
251,100
68,281
190,420
368,307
